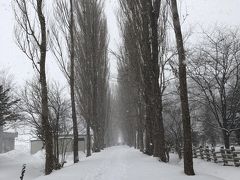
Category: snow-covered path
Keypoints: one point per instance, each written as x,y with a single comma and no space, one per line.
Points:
124,163
115,163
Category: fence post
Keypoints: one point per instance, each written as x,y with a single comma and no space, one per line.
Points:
214,155
224,157
235,157
207,153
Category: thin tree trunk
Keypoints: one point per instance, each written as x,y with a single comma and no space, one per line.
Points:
88,139
139,130
140,140
238,136
188,161
140,127
72,84
56,144
96,147
49,166
149,127
1,139
226,137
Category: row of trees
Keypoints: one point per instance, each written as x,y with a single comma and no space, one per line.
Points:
77,37
142,63
140,53
152,84
150,108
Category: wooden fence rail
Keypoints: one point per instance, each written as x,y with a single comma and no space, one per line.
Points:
229,157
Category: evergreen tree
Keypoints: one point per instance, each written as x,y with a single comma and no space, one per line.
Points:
6,106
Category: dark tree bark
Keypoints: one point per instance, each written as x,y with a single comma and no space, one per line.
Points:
188,161
140,126
226,138
72,87
159,138
237,137
147,74
45,122
89,143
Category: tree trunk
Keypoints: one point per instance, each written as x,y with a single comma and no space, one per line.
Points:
159,138
72,90
49,164
188,161
56,144
149,127
141,140
146,55
238,136
88,140
96,146
56,151
140,126
1,139
140,137
226,137
95,106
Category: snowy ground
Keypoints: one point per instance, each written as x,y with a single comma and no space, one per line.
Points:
11,165
116,163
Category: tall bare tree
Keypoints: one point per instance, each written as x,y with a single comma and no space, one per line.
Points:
214,68
31,38
92,67
59,114
62,46
72,85
188,161
141,19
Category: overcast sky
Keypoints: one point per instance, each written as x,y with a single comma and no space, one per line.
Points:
200,14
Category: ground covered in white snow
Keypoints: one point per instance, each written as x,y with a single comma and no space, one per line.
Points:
116,163
11,165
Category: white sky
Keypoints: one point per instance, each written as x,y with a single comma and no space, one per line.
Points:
201,13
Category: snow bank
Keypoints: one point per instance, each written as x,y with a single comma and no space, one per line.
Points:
210,168
225,172
11,165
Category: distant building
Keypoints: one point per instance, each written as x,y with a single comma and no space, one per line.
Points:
65,144
7,141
